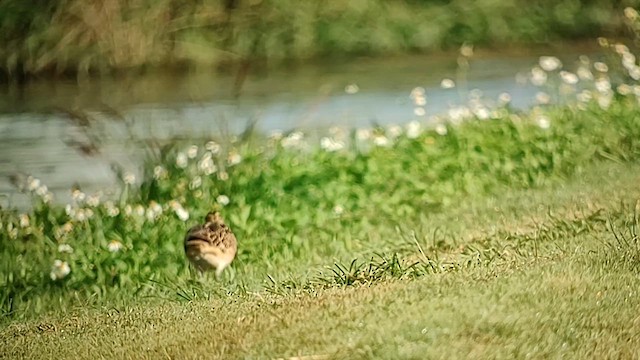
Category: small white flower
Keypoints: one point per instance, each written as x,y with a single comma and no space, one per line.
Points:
549,63
128,210
584,96
182,214
32,183
624,89
213,147
43,191
80,215
65,248
568,77
24,220
94,200
351,89
223,175
114,246
538,77
447,84
630,13
604,101
441,129
482,113
600,66
417,92
181,160
420,101
363,134
223,200
159,172
195,183
234,158
330,144
338,210
276,135
139,210
77,195
192,152
543,121
603,85
466,50
413,129
59,270
112,210
394,131
504,98
293,140
584,73
129,178
542,98
419,111
381,140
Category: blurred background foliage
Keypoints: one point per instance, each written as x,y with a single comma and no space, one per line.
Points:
97,36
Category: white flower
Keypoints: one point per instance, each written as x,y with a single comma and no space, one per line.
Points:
363,134
635,73
417,92
223,175
351,89
128,210
24,220
223,200
139,210
441,129
466,50
338,210
182,214
381,140
624,89
195,183
600,66
584,73
77,195
234,158
94,200
112,210
542,98
293,140
394,131
568,77
630,13
420,101
276,135
549,63
413,129
419,111
206,164
504,98
482,113
604,101
584,96
447,84
212,146
32,183
603,85
181,160
129,178
159,172
538,76
543,121
65,248
330,144
59,270
192,152
114,246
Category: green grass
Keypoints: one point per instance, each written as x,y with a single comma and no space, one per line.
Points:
70,36
556,277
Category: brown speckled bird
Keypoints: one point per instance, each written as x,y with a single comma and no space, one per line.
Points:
211,246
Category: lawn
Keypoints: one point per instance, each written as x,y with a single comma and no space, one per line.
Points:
489,232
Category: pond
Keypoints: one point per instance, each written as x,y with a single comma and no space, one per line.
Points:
43,132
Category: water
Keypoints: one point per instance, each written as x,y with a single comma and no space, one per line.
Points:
38,137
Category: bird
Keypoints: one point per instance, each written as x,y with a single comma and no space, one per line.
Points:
211,246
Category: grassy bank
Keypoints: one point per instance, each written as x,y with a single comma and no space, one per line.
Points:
72,36
539,273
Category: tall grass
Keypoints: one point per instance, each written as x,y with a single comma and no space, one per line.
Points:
77,37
